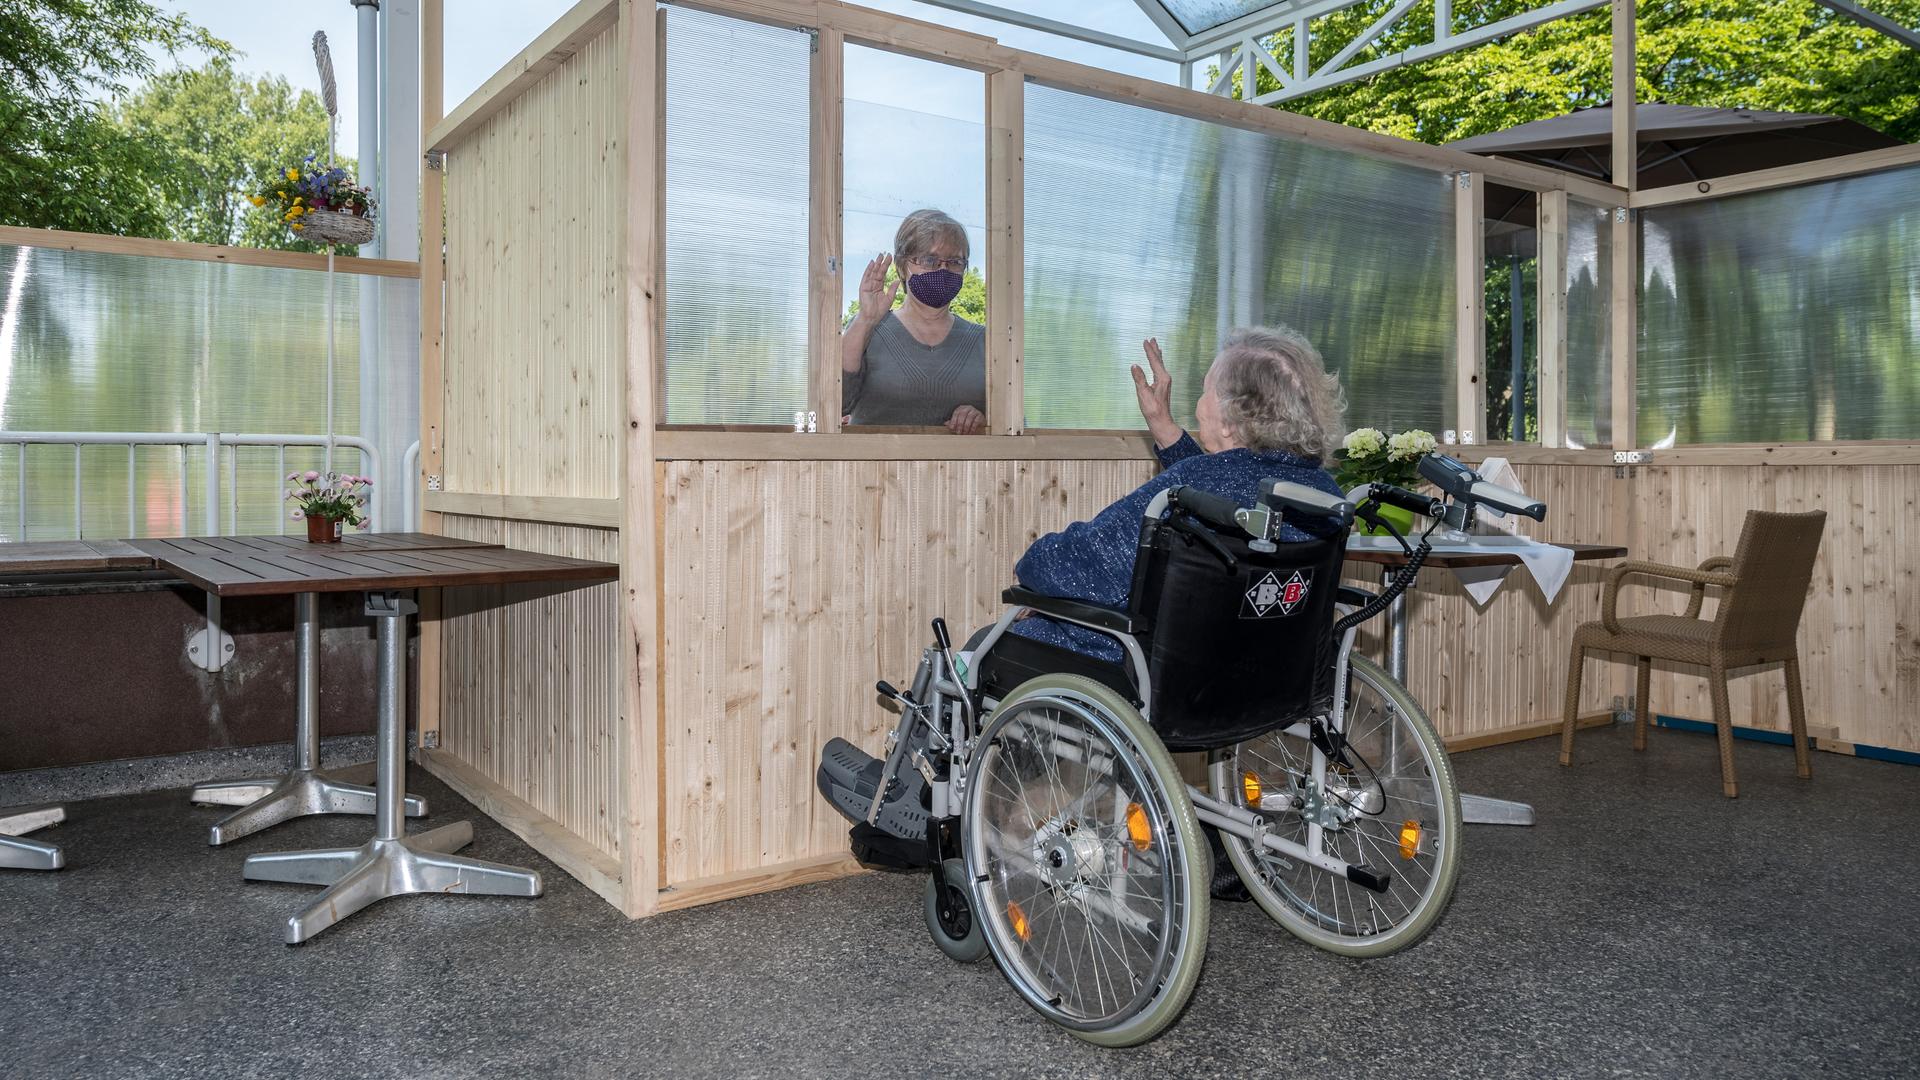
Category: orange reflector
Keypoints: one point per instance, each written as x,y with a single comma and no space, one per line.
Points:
1409,839
1139,830
1250,786
1019,920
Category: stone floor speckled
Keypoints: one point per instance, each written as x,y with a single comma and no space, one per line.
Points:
1646,928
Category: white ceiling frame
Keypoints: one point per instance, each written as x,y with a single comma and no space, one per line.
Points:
1333,73
1168,25
1873,21
1171,54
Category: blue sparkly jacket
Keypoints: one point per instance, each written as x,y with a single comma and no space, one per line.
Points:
1093,560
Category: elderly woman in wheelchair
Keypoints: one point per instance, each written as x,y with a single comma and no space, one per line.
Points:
1031,770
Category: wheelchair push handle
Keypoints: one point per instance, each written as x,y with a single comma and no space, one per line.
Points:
1500,498
1213,509
1288,495
941,636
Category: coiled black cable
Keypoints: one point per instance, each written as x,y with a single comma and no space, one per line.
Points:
1401,580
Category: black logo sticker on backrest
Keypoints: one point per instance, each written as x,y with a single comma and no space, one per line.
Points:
1271,597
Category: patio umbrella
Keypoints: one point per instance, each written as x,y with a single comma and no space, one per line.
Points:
1679,144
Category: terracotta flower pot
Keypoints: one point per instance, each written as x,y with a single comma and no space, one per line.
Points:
322,530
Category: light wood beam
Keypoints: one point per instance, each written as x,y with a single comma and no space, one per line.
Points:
1006,265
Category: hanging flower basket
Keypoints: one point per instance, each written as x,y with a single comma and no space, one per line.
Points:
332,227
319,203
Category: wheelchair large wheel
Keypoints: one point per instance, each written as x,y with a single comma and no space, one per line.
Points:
1088,868
1395,811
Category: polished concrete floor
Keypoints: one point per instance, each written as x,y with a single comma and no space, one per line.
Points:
1646,927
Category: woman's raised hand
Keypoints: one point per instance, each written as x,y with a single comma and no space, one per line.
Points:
876,294
1156,398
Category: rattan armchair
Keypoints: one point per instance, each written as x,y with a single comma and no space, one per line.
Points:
1765,583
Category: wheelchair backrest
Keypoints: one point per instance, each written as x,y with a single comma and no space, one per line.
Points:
1235,651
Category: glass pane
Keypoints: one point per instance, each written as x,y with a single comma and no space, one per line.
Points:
92,342
1589,326
932,155
736,246
1511,300
1197,15
1140,224
1783,316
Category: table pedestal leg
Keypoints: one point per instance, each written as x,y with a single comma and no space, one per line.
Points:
392,863
268,801
18,854
1474,809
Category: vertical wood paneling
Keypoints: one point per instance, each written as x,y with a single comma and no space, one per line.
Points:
533,353
531,695
1860,633
789,588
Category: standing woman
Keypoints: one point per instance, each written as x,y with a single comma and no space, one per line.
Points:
922,365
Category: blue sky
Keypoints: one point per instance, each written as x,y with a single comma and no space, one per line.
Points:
482,35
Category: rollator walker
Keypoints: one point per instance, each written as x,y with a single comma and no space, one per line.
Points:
1062,836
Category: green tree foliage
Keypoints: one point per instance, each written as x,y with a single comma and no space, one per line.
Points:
63,163
1785,55
216,136
970,305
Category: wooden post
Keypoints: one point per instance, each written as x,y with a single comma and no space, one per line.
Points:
1552,226
640,615
1006,266
1469,272
433,269
1626,248
826,255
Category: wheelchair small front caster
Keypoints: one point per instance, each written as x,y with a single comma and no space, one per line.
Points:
949,913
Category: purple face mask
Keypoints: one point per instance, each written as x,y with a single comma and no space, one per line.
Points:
935,288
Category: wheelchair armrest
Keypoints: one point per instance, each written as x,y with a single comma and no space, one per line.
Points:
1078,611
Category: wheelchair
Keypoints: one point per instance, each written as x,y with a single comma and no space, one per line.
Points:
1064,840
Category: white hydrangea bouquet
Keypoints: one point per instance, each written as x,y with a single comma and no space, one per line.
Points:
1370,455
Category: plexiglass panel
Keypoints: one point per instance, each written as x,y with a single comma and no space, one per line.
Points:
1197,15
92,342
736,245
1511,278
1589,326
1141,224
1783,316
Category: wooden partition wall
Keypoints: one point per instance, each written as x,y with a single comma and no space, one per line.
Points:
657,737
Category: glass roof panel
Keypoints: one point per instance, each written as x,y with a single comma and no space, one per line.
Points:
1201,15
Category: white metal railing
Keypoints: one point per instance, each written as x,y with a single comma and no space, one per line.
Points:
212,490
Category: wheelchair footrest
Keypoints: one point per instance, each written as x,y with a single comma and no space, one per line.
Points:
847,777
876,847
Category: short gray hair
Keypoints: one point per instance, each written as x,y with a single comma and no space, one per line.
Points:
1276,394
924,228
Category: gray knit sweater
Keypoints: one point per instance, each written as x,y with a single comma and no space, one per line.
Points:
902,382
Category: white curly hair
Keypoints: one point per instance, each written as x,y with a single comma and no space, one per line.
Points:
1275,392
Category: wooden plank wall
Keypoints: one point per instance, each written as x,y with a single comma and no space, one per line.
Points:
530,695
1860,634
788,588
534,350
1480,671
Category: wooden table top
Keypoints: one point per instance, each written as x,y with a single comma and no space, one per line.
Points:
1454,561
164,547
338,568
273,565
72,556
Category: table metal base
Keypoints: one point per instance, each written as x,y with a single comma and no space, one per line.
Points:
1486,810
18,854
392,863
378,869
267,801
1474,809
